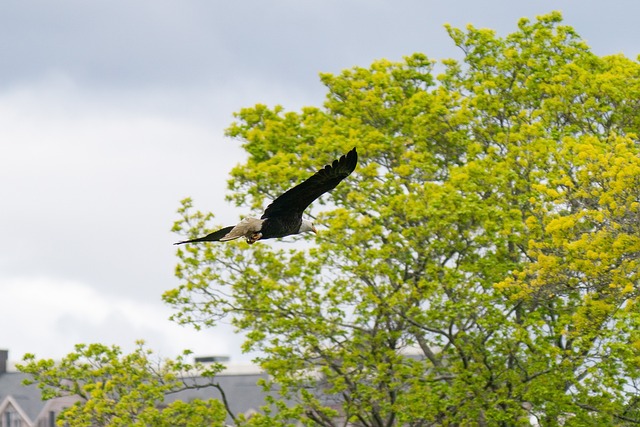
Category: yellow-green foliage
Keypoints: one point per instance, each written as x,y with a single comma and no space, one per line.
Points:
492,226
122,390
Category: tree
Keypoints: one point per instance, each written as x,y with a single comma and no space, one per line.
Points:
492,225
126,390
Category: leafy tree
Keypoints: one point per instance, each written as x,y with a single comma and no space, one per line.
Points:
125,390
491,229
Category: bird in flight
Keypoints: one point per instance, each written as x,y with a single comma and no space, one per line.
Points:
283,217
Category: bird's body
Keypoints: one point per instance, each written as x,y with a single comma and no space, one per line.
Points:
280,227
283,217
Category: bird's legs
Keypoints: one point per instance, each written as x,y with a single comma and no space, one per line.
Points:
254,238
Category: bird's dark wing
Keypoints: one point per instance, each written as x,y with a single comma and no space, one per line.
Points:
213,237
296,199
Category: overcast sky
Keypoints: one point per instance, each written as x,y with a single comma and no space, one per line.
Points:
113,111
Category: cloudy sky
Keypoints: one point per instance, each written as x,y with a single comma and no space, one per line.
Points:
113,111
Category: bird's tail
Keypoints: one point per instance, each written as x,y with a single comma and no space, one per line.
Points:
213,237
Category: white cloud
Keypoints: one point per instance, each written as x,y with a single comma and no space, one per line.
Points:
90,188
92,185
48,317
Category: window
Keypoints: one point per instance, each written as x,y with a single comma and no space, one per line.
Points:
10,418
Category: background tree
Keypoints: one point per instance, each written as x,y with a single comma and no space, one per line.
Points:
115,389
491,226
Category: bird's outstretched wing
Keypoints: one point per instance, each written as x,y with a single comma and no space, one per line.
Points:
296,199
213,237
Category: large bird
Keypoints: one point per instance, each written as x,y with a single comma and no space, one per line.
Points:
283,216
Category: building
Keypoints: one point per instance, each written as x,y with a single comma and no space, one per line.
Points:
22,406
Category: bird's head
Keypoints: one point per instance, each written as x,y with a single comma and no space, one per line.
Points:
307,226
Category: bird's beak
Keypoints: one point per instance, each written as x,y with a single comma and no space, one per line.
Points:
313,228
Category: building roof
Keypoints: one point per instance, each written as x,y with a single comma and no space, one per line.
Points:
239,384
241,390
28,397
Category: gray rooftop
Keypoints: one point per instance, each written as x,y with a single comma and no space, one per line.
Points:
28,397
241,390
